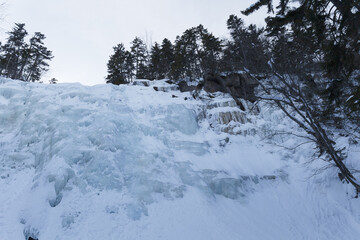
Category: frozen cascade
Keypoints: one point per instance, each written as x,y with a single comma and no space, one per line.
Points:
104,149
75,139
225,116
106,161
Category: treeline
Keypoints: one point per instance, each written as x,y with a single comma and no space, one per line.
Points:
318,41
26,61
196,52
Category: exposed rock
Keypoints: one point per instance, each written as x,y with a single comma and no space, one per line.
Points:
214,83
145,83
239,85
184,87
170,82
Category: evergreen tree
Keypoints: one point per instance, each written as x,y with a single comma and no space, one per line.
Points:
246,49
155,71
13,51
23,61
332,24
140,55
210,51
187,64
331,28
178,66
36,57
293,51
120,66
196,52
166,58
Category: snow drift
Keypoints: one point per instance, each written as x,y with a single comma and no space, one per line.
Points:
128,162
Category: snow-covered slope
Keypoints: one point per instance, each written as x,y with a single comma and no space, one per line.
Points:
128,162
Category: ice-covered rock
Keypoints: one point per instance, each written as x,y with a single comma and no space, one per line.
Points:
166,88
142,82
225,115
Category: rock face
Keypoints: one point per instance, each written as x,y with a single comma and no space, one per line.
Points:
145,83
239,85
214,83
184,87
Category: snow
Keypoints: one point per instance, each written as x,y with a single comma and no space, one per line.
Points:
129,162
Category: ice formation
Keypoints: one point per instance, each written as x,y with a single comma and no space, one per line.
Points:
129,162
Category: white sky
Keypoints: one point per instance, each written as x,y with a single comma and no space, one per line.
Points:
82,33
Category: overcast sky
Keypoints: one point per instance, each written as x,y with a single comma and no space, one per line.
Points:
81,33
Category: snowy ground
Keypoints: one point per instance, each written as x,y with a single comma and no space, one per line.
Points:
129,162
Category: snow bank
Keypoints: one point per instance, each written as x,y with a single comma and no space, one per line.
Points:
129,162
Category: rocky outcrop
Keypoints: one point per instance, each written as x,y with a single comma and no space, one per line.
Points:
239,85
145,83
184,87
214,83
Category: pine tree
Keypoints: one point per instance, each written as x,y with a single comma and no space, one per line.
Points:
13,51
332,24
209,52
155,70
166,58
140,55
293,51
186,64
120,66
178,66
196,52
37,57
246,49
23,61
